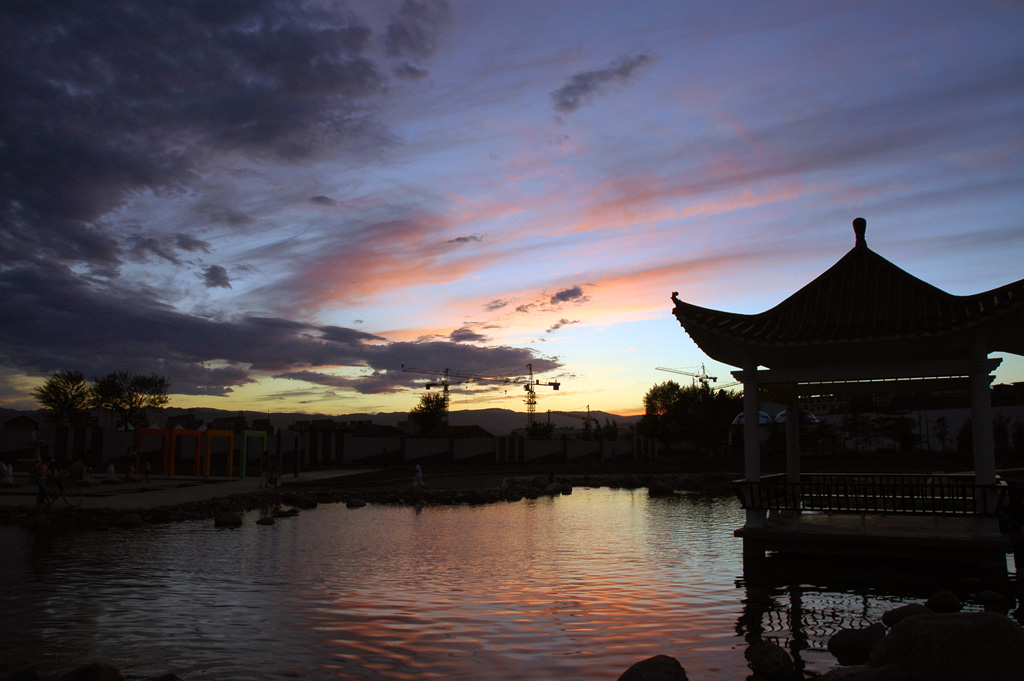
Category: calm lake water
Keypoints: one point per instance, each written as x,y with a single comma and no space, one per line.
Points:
575,587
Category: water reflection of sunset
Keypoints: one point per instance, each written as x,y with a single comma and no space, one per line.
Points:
578,586
585,583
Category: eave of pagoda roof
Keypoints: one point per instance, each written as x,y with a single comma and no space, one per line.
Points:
863,308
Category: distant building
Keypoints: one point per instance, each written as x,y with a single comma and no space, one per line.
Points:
188,421
263,425
21,423
233,423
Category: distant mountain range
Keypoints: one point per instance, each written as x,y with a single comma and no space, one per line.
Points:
494,421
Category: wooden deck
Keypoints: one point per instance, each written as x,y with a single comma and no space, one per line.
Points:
958,539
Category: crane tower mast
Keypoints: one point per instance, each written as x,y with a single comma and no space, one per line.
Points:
528,381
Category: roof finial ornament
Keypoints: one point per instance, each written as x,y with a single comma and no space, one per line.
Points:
860,226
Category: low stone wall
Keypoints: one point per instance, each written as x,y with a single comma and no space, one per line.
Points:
309,495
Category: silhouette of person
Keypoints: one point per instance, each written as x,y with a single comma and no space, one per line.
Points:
40,471
264,471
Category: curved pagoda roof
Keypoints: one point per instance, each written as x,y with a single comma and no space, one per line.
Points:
863,309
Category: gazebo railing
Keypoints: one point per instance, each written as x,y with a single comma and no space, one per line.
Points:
876,493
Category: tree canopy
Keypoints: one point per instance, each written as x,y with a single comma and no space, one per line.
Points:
696,414
431,414
126,394
65,394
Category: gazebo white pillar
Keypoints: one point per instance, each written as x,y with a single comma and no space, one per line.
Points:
792,437
981,425
751,436
982,440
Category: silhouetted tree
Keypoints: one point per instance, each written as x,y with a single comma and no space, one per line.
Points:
1017,437
942,431
540,430
695,413
965,438
661,407
899,429
1001,435
126,394
65,395
431,414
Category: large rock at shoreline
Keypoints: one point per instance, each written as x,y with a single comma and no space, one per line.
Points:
985,646
943,601
769,661
854,646
893,617
227,519
657,668
661,489
553,489
993,600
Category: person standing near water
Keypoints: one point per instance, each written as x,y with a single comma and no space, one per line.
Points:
417,479
264,471
41,472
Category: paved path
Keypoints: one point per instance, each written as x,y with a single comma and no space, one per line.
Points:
159,491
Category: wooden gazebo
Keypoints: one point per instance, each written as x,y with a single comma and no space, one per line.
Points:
865,325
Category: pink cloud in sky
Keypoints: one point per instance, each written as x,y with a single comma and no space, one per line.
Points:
356,186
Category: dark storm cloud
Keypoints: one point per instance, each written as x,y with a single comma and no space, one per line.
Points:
224,215
471,359
560,323
365,385
105,101
216,276
144,246
583,86
407,71
101,100
395,366
349,338
464,239
415,31
323,200
190,243
466,335
65,323
568,295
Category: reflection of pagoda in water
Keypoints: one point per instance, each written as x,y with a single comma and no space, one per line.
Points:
867,326
799,604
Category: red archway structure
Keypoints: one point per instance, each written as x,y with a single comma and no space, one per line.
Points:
210,434
864,325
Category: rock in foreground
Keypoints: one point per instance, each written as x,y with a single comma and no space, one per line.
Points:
657,668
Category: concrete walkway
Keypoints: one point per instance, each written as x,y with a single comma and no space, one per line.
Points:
159,491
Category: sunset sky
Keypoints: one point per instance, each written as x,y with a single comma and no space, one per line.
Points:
278,204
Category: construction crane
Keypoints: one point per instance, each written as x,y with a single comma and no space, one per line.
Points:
587,418
703,378
531,394
528,382
444,381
